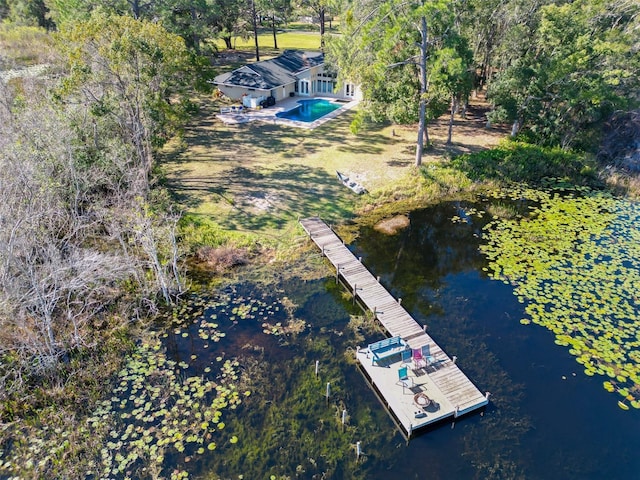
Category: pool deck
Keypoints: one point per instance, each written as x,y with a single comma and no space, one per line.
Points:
450,391
268,114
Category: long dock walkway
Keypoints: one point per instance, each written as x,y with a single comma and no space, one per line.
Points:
446,385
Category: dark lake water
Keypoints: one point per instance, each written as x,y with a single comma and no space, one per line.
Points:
546,419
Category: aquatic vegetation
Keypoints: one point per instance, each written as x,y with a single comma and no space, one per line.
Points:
288,429
156,418
574,263
161,413
465,213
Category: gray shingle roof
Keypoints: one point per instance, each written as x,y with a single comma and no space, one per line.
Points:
273,73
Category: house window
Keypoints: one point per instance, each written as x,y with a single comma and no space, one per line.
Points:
324,86
304,87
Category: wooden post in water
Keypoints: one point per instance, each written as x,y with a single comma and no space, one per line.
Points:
337,272
454,359
344,419
358,451
317,367
399,301
355,288
328,391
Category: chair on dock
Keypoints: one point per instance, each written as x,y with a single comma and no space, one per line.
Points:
406,357
422,357
418,359
426,354
404,378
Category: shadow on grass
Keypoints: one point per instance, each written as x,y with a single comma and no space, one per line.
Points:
235,141
270,200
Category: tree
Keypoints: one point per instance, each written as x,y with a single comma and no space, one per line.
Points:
390,35
254,24
64,12
319,8
582,68
191,19
82,236
53,281
276,11
452,72
26,12
133,72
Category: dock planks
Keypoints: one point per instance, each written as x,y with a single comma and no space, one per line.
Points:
448,387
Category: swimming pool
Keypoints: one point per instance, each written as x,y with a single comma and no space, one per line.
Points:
310,110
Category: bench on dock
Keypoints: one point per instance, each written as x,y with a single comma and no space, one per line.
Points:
386,348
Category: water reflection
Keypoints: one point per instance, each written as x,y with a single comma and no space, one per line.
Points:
546,420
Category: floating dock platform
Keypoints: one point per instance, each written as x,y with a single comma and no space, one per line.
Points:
432,393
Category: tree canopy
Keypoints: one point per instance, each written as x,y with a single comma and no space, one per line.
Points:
582,66
391,49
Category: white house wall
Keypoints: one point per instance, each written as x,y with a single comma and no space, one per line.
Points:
280,93
285,91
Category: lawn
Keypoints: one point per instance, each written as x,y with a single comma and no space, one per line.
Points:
259,178
299,40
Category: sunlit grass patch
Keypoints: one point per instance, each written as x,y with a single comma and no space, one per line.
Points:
253,182
299,40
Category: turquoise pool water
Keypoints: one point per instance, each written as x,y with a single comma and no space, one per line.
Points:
310,110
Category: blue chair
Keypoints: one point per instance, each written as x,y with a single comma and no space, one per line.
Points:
404,378
406,356
426,354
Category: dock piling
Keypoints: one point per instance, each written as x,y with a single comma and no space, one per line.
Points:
317,367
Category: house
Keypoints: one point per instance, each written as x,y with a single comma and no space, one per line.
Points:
294,73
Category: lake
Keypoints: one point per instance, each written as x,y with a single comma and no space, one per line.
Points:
546,418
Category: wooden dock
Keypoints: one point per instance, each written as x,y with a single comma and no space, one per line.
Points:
450,390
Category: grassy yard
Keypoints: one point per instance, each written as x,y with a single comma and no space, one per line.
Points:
259,178
300,40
